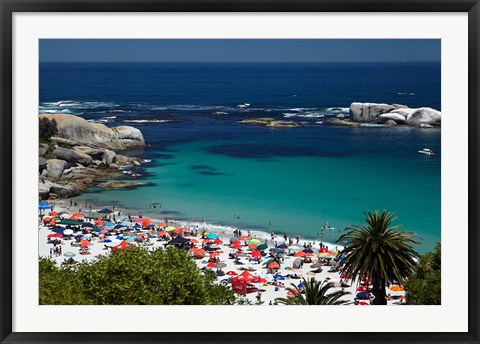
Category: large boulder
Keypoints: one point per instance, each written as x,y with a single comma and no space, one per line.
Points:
405,112
95,153
55,168
108,157
72,156
425,115
391,116
44,188
65,191
61,140
94,134
368,112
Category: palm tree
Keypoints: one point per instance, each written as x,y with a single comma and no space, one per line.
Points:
316,293
379,251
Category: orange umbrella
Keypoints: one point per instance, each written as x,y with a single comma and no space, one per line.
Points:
214,254
300,254
194,241
52,222
178,230
397,288
146,223
273,265
200,252
244,237
162,224
252,246
53,213
77,216
193,249
160,233
206,240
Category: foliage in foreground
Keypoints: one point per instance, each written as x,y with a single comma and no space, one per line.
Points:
424,286
47,129
379,251
133,277
316,293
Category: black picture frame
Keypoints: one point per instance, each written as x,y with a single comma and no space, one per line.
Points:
9,7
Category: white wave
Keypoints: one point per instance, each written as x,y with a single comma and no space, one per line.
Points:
288,115
146,120
147,160
319,122
341,109
109,117
304,115
301,109
372,125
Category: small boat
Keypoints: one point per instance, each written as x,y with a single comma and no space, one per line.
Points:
427,151
243,106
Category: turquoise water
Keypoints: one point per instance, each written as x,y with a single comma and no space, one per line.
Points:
293,195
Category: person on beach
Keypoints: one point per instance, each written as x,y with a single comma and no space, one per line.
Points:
298,238
272,236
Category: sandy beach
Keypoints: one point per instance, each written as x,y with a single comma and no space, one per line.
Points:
267,292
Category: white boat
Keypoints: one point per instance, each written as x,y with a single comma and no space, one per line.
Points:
243,106
427,151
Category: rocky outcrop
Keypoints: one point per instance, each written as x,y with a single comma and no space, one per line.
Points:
55,168
382,113
427,116
270,122
120,185
391,116
108,157
391,122
61,140
344,122
368,112
83,132
72,156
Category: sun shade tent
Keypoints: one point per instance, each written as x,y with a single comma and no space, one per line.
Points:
44,205
178,240
105,211
68,222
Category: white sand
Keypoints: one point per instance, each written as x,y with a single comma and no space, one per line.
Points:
269,293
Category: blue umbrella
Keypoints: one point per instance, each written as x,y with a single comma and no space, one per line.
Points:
105,211
363,295
119,237
282,246
79,236
307,250
279,277
126,223
107,240
69,254
211,236
108,224
275,249
43,205
118,226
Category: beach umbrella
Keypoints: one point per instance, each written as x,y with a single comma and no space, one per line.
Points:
246,276
78,236
218,242
323,249
244,237
68,232
252,247
53,213
307,250
397,288
363,303
282,246
146,223
54,235
233,239
105,211
254,241
211,265
162,224
231,273
161,233
273,265
236,242
275,249
262,247
297,263
76,216
288,268
211,236
256,254
44,205
200,252
69,254
103,231
194,241
300,254
170,228
316,265
107,240
214,254
325,255
362,288
279,277
363,295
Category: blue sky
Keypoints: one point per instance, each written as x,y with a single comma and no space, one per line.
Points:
238,50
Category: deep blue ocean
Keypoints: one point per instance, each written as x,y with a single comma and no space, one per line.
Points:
286,180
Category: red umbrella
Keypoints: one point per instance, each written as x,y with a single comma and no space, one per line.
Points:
363,303
262,280
246,276
323,249
77,216
300,254
362,288
211,265
162,224
256,254
160,233
232,273
218,241
194,241
214,254
193,249
253,246
236,242
54,235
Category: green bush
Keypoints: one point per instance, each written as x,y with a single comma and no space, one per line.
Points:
47,129
133,277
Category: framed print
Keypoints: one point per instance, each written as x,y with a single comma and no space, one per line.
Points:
235,171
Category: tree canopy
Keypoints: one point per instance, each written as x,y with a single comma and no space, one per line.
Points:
424,286
379,251
315,293
132,277
47,128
